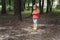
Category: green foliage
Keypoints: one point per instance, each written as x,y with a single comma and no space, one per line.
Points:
56,11
58,7
26,12
0,2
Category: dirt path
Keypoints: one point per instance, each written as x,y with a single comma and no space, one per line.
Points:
16,30
44,33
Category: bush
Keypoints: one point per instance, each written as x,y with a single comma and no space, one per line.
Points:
58,7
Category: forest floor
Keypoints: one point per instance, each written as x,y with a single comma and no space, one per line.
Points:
12,29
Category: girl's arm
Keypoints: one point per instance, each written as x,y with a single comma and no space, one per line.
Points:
36,12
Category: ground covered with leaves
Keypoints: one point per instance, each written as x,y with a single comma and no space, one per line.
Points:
13,29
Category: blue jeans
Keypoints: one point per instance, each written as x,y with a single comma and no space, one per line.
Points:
35,22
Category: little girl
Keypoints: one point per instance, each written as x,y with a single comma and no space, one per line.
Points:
35,16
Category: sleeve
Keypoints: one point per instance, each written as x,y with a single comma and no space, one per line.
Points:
33,13
38,11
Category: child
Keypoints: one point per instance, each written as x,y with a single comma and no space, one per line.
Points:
35,17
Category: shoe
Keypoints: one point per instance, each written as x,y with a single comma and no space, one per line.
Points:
35,28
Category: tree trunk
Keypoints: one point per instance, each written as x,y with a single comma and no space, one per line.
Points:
48,6
28,4
22,5
42,6
17,7
51,5
0,2
59,2
58,6
3,7
9,5
33,2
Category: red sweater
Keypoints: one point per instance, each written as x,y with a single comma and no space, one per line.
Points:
35,13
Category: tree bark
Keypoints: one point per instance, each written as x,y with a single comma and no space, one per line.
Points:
22,5
48,6
3,7
59,2
51,5
33,2
9,5
17,9
28,4
42,6
58,6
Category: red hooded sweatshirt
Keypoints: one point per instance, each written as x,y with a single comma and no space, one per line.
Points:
35,14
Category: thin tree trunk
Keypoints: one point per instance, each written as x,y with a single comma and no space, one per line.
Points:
22,5
3,7
51,5
59,2
42,6
58,5
17,7
28,4
48,6
9,5
33,2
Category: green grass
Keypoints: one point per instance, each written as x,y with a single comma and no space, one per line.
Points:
26,12
10,13
56,10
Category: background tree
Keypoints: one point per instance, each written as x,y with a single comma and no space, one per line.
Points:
3,7
28,4
17,9
40,5
58,6
0,2
48,6
9,5
33,2
59,2
22,5
51,5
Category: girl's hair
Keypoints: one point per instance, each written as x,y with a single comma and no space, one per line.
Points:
35,5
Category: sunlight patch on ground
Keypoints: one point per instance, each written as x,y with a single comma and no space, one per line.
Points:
31,31
45,25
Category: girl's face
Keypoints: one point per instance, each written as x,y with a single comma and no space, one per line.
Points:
34,7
